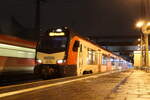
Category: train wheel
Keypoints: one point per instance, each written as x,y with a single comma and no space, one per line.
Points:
37,70
87,72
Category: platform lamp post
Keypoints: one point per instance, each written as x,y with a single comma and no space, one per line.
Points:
145,29
141,49
139,25
146,32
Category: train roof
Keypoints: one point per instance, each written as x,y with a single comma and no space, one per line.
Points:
11,40
76,34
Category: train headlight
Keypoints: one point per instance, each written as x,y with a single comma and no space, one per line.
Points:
58,30
60,61
39,61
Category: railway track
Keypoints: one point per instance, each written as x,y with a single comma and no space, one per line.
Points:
6,80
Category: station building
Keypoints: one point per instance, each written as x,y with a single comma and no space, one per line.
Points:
139,60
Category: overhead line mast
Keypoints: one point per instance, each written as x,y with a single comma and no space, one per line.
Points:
37,26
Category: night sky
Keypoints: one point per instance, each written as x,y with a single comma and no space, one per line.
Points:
87,17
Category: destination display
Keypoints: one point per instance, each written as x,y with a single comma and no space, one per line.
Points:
56,34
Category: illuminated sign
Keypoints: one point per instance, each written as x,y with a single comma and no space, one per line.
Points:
56,34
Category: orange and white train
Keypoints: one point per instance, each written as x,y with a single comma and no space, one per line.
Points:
17,56
62,52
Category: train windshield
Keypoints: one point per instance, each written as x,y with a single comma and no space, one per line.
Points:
52,45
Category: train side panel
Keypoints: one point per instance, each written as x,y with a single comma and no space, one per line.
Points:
12,65
90,60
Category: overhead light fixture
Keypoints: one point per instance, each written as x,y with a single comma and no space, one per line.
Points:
140,23
59,30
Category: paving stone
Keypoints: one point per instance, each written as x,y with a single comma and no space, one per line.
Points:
137,87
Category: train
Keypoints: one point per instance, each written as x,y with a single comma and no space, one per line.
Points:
62,52
17,56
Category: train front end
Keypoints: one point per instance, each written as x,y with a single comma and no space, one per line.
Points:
51,53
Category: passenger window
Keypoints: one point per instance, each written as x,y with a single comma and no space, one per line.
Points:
112,59
104,59
92,57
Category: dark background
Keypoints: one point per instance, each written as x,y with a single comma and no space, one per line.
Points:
87,17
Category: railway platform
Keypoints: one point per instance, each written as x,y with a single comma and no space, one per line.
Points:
136,87
87,87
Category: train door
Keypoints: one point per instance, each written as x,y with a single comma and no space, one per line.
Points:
80,60
99,60
107,63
